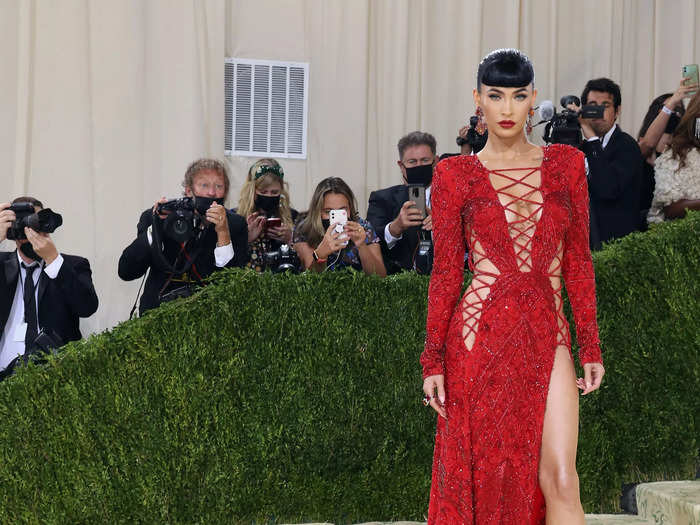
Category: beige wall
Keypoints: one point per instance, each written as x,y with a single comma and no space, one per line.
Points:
103,104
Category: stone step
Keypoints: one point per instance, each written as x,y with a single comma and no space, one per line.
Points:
659,503
669,502
615,519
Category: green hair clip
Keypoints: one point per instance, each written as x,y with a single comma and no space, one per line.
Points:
269,168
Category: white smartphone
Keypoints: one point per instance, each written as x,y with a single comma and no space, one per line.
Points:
340,219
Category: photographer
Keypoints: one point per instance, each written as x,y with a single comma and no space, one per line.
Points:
218,238
664,114
614,166
264,202
397,219
331,235
43,293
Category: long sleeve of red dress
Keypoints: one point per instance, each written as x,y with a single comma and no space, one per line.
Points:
577,268
447,276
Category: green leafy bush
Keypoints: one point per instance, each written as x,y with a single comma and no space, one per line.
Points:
297,398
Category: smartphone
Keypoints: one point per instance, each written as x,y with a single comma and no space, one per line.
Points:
340,219
690,72
417,195
273,222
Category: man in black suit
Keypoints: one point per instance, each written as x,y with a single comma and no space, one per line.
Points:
394,217
221,242
615,168
43,293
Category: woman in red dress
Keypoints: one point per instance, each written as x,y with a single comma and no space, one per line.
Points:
497,364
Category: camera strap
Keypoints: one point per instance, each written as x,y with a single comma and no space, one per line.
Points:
157,247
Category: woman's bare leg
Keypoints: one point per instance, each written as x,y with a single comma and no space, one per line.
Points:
557,473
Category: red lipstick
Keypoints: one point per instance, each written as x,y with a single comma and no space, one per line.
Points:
506,123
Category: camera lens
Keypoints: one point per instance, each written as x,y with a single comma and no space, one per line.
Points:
180,226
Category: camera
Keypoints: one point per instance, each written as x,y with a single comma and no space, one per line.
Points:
564,127
285,259
181,222
475,140
423,261
45,221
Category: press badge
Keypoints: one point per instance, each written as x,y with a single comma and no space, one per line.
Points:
20,332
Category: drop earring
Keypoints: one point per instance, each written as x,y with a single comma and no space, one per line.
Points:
528,126
481,122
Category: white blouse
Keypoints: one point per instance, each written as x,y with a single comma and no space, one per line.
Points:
674,184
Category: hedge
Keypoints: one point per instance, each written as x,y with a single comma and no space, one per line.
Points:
287,399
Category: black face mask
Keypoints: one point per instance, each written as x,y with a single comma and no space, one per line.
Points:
672,123
420,175
28,251
202,204
326,224
270,205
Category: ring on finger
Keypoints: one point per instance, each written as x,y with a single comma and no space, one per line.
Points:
427,399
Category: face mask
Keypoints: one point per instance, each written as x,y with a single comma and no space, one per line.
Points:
202,204
28,250
672,123
326,224
270,205
420,175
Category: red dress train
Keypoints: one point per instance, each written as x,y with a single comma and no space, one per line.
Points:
526,229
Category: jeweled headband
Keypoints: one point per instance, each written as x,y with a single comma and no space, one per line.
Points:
269,168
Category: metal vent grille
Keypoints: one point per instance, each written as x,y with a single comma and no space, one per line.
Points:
266,108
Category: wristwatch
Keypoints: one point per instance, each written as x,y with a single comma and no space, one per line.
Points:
317,259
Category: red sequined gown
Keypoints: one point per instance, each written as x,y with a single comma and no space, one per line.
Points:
526,229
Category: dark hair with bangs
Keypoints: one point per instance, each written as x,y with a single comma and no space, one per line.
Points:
505,68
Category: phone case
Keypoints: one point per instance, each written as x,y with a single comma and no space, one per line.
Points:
340,217
690,71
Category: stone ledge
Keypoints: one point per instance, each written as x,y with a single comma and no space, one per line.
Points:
672,502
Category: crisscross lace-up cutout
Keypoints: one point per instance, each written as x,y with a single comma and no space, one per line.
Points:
518,191
554,274
484,275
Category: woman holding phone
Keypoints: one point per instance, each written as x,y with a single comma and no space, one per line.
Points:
264,202
347,241
677,170
497,364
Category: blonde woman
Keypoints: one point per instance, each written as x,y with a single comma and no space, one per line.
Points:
264,202
677,170
320,247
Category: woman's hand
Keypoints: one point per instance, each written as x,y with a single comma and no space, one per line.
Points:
330,243
282,234
682,92
356,233
593,375
430,385
256,225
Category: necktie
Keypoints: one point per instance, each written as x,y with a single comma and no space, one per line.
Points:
29,307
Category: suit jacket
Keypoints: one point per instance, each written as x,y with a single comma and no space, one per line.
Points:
137,258
615,183
61,302
384,206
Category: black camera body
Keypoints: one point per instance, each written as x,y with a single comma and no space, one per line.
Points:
475,140
285,259
181,222
423,261
45,221
564,127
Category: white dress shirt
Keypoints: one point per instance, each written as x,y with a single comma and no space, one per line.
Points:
389,238
12,340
